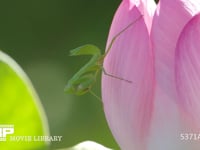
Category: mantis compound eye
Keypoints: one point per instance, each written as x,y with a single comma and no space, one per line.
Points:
81,85
85,85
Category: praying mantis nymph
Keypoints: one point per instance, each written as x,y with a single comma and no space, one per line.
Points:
84,79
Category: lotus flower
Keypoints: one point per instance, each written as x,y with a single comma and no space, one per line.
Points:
160,54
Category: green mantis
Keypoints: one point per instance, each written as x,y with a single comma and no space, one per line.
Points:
84,79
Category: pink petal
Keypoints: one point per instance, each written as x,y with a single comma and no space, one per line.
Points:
169,20
188,71
147,8
128,106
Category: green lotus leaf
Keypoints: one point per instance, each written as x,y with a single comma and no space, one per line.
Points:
22,119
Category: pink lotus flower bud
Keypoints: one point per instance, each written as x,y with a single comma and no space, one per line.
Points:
160,54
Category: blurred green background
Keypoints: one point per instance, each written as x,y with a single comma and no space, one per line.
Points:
38,34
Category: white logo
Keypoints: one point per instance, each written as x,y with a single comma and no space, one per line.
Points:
5,130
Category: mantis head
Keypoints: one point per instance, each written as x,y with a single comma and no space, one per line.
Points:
80,86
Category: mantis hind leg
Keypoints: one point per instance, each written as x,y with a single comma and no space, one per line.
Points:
110,46
118,34
116,77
